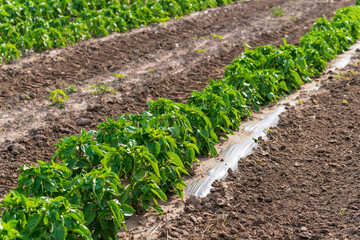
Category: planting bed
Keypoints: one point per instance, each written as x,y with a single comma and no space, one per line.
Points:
97,179
301,183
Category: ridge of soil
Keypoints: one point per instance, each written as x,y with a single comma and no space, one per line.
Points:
301,183
29,127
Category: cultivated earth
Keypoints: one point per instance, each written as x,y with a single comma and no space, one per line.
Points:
301,183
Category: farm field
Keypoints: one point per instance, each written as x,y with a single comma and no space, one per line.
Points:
36,126
301,183
122,72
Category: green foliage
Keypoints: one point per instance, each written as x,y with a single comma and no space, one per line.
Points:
102,89
200,50
27,26
118,75
97,179
69,89
277,11
265,74
217,36
58,98
41,218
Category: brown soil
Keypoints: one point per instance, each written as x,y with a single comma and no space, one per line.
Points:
29,127
301,183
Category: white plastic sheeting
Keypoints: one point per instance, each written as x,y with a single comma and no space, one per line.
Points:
233,154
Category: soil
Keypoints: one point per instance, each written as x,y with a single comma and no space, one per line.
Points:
29,127
301,183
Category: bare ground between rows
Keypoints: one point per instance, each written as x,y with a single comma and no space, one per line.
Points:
32,127
96,57
301,183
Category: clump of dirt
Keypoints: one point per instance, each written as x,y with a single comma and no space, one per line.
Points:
302,183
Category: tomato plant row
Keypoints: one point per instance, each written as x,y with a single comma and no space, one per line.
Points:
97,179
38,25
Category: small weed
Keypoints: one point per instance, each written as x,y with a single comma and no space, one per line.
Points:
118,75
256,140
151,70
338,76
102,89
200,50
69,89
342,76
194,38
268,130
58,98
345,101
300,102
342,212
27,97
277,11
217,36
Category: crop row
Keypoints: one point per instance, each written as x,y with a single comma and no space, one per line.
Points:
37,25
97,179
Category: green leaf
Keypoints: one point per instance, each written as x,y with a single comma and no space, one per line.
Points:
155,166
59,231
204,132
297,78
283,86
50,186
174,158
154,148
4,13
127,210
176,131
34,221
89,213
191,153
158,192
118,215
97,150
69,151
179,193
82,231
139,174
158,209
125,195
76,216
284,42
130,129
28,181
